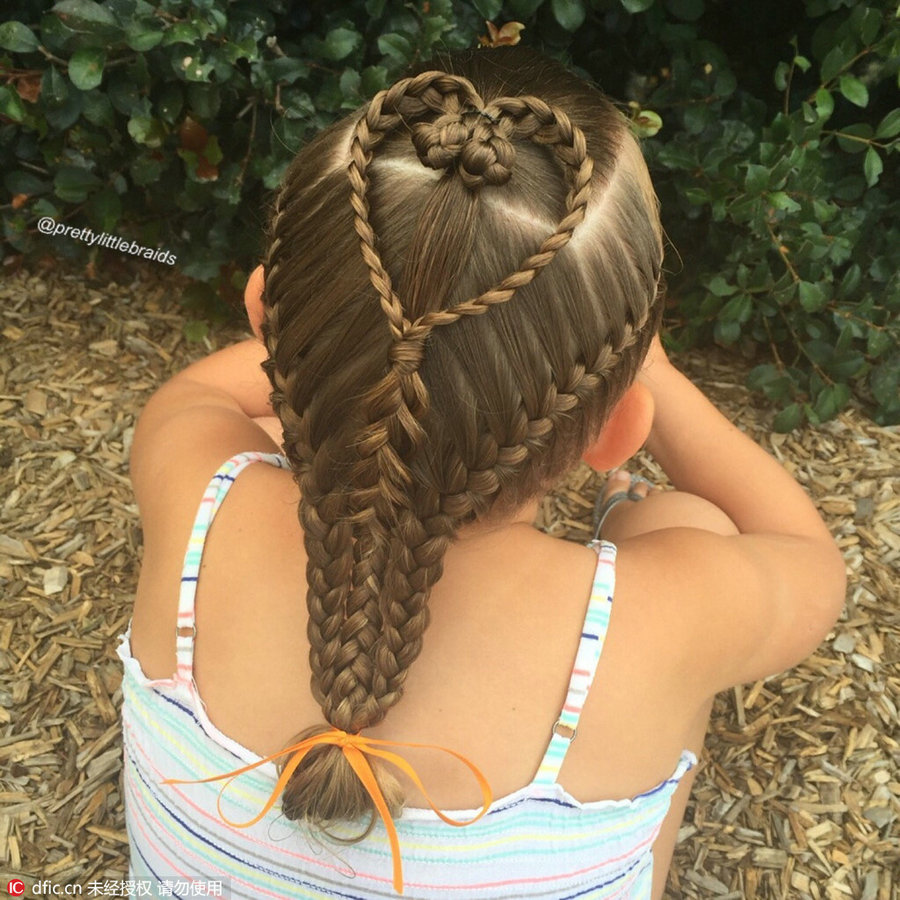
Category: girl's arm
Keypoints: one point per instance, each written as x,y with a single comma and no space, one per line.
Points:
703,453
741,606
213,409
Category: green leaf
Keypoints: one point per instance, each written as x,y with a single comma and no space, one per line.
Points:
145,170
872,166
819,351
867,21
569,13
350,82
854,90
524,9
756,179
726,83
170,103
85,15
86,68
769,379
824,103
20,182
11,104
696,118
762,375
780,200
297,104
877,341
146,130
204,100
490,9
847,365
287,70
340,43
17,38
835,60
373,79
686,10
781,75
195,69
696,196
54,87
788,419
812,296
855,138
73,183
180,33
396,46
104,209
884,380
889,126
780,389
738,309
720,287
195,331
64,116
831,400
851,281
637,6
726,332
375,7
212,152
144,35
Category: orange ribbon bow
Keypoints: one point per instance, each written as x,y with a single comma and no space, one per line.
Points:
355,748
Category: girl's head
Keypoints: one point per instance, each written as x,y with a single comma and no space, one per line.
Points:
461,283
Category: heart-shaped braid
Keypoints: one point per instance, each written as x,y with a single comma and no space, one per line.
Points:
386,480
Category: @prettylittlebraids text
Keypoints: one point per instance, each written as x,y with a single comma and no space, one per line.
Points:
49,225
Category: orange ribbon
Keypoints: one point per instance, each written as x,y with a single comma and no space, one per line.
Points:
355,748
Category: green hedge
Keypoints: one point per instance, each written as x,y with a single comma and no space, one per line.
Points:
770,131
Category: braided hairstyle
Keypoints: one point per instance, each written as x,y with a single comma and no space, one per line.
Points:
462,279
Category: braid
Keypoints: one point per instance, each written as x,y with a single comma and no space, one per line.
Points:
378,512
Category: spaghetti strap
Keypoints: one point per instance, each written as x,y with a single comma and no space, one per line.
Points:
213,496
593,635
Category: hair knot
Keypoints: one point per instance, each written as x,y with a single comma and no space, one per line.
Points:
473,142
405,355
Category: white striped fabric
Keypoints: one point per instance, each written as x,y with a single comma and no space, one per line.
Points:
539,842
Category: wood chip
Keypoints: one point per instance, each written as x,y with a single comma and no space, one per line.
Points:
55,579
798,797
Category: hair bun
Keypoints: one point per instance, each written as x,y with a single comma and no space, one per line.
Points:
472,142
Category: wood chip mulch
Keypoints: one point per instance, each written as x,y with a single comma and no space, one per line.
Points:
798,795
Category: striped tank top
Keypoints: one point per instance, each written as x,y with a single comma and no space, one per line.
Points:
538,842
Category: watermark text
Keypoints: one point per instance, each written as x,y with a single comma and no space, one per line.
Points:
48,225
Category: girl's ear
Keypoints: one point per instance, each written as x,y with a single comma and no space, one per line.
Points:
625,430
253,301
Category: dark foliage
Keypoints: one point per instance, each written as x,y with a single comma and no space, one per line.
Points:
770,128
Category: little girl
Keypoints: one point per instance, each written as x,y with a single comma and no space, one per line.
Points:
460,298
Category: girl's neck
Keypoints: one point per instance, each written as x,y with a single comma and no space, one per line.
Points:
498,527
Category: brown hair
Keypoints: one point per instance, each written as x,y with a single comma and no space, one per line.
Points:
461,281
